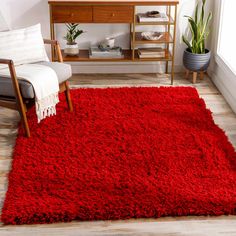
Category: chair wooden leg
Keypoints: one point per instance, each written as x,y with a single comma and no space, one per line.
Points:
194,77
68,97
19,101
22,111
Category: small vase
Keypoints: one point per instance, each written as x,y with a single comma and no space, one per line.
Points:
71,49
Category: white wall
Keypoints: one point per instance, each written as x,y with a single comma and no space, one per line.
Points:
22,13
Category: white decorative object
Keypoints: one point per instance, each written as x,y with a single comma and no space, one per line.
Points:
23,46
110,42
143,17
151,35
71,49
154,14
97,52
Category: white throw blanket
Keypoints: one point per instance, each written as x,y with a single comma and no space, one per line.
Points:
45,83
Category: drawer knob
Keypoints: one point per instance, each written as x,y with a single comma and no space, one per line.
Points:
72,14
113,14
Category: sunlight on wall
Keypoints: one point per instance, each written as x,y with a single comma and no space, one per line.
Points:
227,34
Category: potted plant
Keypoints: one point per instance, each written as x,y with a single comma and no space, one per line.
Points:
196,57
73,32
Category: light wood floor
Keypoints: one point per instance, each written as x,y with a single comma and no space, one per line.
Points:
181,226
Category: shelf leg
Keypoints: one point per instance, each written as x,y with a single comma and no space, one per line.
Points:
133,34
167,66
172,75
173,53
52,33
130,30
168,12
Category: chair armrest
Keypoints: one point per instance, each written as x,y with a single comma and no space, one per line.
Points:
11,66
55,44
52,42
6,62
12,70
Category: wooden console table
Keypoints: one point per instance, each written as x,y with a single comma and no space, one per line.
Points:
117,11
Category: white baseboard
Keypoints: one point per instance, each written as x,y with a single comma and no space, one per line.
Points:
225,92
225,81
117,68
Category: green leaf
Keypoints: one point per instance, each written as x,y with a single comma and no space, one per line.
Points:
203,12
186,42
72,32
193,27
206,24
196,14
199,29
77,34
209,18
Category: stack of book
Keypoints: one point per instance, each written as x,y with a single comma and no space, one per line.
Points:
98,53
151,52
144,17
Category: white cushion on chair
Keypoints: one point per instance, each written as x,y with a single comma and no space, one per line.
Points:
23,46
62,70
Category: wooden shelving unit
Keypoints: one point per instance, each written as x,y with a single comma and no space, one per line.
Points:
168,38
112,12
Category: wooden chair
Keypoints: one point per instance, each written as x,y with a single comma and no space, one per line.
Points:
18,102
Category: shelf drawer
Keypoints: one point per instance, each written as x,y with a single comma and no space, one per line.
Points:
72,14
113,14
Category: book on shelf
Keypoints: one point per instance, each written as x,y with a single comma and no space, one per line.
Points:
113,53
144,18
151,52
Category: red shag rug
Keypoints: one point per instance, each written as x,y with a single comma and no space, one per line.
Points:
123,153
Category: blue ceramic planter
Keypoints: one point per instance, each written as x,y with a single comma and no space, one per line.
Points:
196,62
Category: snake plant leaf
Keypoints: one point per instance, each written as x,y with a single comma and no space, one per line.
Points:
204,34
198,28
196,14
203,11
186,42
193,27
209,18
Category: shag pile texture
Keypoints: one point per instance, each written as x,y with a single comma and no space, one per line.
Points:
123,153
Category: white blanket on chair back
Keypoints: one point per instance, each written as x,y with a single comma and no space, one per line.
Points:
45,83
